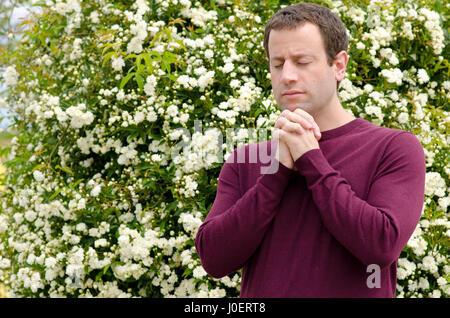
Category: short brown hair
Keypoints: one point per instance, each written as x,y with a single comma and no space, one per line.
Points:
333,31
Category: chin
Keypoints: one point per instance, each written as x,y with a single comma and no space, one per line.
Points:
303,107
294,107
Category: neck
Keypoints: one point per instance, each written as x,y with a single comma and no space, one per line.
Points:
333,116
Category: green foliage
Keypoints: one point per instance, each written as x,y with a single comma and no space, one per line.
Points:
108,177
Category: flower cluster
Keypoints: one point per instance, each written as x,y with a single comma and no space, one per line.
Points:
110,175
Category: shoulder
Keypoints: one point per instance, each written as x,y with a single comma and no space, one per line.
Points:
392,148
402,151
391,138
401,141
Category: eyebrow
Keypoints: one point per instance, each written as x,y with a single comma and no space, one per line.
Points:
296,55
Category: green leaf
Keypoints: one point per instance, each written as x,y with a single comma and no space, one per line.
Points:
140,81
125,80
108,56
106,47
65,169
180,43
146,58
156,54
98,277
55,194
105,269
172,77
42,165
129,56
72,186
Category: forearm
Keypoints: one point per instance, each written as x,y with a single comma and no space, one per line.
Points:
374,231
228,238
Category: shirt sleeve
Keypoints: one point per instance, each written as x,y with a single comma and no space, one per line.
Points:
376,230
236,223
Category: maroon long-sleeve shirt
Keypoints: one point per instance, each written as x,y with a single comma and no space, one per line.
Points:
314,232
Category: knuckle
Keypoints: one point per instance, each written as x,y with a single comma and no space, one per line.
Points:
304,114
285,112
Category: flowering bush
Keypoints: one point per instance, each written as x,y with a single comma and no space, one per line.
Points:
120,108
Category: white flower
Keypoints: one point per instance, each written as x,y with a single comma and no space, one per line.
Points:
199,16
100,243
199,272
94,17
85,82
135,45
422,76
441,281
228,67
190,223
434,184
79,118
403,118
81,227
429,264
183,80
30,215
217,293
139,29
139,117
3,224
156,157
368,88
11,76
446,85
444,203
117,63
200,70
209,54
172,110
401,273
436,293
393,76
423,283
206,80
120,95
38,176
234,83
50,262
95,192
150,85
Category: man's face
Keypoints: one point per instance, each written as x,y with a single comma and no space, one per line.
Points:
300,74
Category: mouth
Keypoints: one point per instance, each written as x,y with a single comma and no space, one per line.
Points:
293,93
290,95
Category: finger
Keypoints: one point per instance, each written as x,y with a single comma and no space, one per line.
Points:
305,122
295,117
279,122
292,127
276,134
283,121
310,118
303,113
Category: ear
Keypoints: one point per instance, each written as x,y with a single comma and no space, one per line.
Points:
340,64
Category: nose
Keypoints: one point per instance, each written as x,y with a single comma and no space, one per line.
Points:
289,73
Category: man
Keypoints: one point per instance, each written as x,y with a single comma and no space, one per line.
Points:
334,217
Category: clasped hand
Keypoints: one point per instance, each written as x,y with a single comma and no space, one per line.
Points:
296,133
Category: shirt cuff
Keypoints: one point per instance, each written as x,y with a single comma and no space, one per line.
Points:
313,166
275,177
